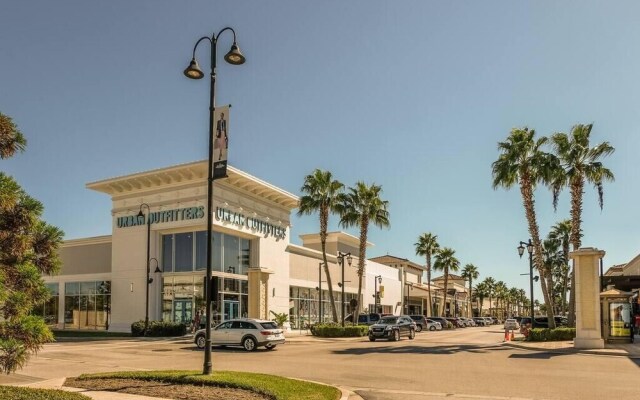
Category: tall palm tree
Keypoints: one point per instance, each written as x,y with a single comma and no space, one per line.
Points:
490,285
11,140
514,297
446,262
480,294
362,206
470,273
523,162
323,194
522,295
428,246
501,292
561,231
580,164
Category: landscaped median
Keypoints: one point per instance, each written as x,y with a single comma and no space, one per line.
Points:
192,385
21,393
549,335
336,330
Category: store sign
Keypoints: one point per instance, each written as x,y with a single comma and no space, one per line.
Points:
158,217
257,225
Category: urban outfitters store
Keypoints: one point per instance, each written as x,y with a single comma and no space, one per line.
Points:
103,281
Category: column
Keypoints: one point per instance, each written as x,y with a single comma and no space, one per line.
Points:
259,292
588,323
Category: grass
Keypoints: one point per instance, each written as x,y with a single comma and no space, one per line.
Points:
67,333
21,393
275,386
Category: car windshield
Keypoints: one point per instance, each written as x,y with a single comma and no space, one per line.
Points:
269,325
388,321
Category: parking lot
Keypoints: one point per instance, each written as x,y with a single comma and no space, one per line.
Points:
458,363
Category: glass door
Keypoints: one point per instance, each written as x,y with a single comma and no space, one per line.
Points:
231,308
182,312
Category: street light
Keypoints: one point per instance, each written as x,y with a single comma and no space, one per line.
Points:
341,257
149,280
409,286
193,71
530,251
320,290
376,280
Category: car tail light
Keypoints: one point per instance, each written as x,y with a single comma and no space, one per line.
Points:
267,333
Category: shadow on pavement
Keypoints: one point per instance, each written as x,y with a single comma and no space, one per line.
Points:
537,355
444,349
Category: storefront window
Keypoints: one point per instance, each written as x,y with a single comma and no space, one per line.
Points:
49,310
304,306
87,305
182,253
167,253
231,254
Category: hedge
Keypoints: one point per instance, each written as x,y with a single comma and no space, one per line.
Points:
549,335
336,330
22,393
159,328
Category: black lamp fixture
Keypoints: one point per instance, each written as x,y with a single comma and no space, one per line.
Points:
529,248
377,280
341,257
149,279
193,71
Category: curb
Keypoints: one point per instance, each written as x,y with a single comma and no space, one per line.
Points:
571,351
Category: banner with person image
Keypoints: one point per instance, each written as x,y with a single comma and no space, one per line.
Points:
220,141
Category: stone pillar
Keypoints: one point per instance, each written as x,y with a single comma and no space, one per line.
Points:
259,292
588,323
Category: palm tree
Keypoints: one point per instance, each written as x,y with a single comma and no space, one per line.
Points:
446,262
361,206
580,164
514,296
470,273
11,140
490,285
428,246
522,295
561,231
501,292
323,195
522,162
480,293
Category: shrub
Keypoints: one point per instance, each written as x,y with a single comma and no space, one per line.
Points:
336,330
280,318
449,325
159,328
549,335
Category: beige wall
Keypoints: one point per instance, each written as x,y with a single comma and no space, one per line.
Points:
84,258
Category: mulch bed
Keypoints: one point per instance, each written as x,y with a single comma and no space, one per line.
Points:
164,390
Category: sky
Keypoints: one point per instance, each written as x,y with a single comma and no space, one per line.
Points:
411,95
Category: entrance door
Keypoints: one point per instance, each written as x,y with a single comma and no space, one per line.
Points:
182,312
231,309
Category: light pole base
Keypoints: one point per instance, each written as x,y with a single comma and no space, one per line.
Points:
588,343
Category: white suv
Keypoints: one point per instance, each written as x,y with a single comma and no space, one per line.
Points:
245,332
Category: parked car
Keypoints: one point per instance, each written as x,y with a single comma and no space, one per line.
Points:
246,332
495,321
421,322
433,325
543,322
469,321
488,321
457,323
480,321
441,320
393,328
364,319
511,324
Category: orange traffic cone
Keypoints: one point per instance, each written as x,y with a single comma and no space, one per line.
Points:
506,336
512,336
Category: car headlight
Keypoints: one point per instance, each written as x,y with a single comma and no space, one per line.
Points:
388,328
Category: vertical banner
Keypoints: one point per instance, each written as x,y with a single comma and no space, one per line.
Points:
220,141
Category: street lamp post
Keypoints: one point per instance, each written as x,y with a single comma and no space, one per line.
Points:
320,290
376,280
341,257
530,251
193,71
148,221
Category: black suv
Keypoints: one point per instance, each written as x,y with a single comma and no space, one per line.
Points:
543,322
364,319
421,322
393,328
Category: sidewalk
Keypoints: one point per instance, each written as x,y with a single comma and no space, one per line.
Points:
631,350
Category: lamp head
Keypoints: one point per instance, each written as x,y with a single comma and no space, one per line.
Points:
193,71
157,271
339,284
536,278
521,250
349,258
234,56
530,248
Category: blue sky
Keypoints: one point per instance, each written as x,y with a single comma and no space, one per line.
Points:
411,95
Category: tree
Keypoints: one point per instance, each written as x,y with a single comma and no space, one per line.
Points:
323,194
470,273
561,231
480,293
428,246
501,292
522,162
579,164
28,249
514,297
490,284
361,207
446,262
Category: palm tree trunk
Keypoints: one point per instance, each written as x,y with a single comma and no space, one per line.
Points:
364,227
446,281
470,310
577,190
324,218
430,310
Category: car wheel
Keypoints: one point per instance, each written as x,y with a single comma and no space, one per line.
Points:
396,335
271,346
432,328
249,344
418,328
412,334
201,342
372,339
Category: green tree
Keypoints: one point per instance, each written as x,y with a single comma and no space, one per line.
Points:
523,162
501,292
361,207
561,232
446,262
480,293
580,163
28,249
323,195
428,246
490,285
470,273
